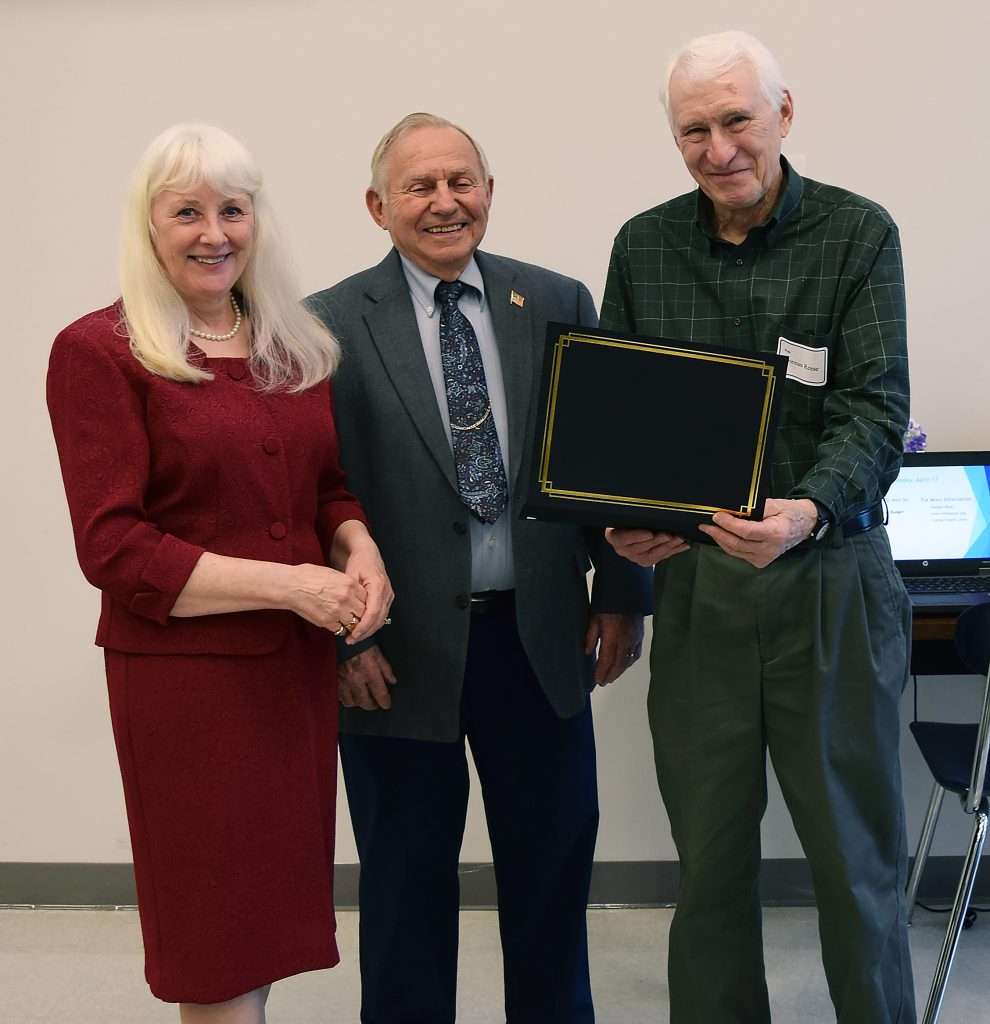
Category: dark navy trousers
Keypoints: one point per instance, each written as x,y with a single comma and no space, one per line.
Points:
408,802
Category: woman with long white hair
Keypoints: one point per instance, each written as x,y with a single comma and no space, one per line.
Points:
193,420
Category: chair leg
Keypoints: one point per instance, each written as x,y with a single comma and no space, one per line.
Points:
959,907
924,846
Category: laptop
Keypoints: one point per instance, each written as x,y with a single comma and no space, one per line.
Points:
939,529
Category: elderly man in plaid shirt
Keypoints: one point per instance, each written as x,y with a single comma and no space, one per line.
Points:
788,635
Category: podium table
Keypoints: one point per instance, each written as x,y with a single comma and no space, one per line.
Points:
933,649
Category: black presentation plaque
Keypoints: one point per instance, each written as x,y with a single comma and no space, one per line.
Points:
636,431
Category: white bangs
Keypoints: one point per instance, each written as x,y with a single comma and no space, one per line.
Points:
189,156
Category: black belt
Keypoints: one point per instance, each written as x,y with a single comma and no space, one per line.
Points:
488,602
863,521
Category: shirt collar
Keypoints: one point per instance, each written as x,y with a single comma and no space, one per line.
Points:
764,234
423,286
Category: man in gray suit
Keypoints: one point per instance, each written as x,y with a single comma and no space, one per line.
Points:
492,637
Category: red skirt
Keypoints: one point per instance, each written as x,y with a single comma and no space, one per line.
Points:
229,767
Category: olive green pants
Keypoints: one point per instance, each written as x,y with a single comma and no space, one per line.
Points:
806,659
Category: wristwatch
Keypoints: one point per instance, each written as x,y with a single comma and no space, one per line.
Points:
823,524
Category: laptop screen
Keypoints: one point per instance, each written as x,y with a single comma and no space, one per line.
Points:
939,514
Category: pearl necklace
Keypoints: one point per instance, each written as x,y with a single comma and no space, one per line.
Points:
230,333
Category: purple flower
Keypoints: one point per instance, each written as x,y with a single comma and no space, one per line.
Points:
915,438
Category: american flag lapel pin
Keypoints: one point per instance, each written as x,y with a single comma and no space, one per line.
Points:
516,299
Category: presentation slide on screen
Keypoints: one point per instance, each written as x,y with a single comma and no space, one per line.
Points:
940,512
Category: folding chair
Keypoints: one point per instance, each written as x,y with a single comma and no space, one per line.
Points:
957,756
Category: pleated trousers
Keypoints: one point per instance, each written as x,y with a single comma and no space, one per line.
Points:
805,660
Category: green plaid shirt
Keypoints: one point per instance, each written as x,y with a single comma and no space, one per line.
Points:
823,271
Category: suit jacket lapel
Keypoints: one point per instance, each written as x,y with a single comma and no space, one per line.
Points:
391,321
514,336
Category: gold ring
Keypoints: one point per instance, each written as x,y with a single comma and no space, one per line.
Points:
354,621
340,632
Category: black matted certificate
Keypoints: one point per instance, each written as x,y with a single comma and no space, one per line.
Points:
636,431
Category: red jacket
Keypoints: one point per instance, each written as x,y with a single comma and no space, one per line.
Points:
157,471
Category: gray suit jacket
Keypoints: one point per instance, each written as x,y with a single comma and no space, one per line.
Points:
399,464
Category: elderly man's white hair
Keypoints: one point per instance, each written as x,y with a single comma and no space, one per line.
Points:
712,56
418,120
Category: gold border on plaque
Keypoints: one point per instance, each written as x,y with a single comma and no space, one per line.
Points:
564,342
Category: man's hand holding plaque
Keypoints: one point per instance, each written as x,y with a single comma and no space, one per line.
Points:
645,547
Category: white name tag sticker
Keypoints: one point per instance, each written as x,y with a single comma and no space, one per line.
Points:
804,364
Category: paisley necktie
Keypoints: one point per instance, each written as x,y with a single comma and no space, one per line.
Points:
477,454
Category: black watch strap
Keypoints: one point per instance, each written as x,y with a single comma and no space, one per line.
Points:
823,524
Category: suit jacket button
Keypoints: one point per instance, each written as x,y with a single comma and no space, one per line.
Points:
277,530
271,444
462,601
460,527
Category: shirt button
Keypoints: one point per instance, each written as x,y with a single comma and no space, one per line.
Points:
492,542
459,527
271,444
462,601
737,321
739,262
277,530
236,373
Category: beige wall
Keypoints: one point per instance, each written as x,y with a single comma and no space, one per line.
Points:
890,102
